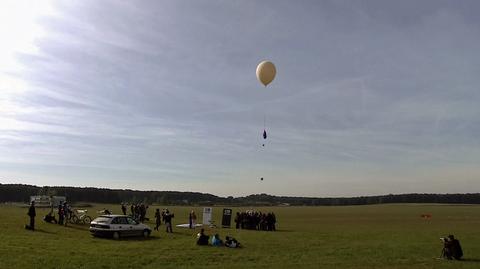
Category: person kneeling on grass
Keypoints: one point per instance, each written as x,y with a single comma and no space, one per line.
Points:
202,238
50,218
452,248
216,241
231,242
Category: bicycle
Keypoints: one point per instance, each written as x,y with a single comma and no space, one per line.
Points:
81,217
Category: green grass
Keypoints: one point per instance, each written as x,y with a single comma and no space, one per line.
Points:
378,236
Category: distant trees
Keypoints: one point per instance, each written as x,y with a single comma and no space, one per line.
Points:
17,192
22,193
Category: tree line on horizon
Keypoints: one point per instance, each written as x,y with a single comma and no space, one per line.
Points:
21,193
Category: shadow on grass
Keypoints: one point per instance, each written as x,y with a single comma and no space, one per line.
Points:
184,233
43,231
471,260
283,231
76,227
150,238
130,238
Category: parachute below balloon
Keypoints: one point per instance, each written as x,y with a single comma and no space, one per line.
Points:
266,72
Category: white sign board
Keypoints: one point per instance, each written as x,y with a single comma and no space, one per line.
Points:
207,215
47,201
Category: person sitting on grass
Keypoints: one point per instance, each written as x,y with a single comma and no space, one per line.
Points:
202,238
50,218
216,241
231,242
451,248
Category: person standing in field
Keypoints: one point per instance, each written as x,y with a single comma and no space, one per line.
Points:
66,213
167,218
124,209
142,212
190,220
158,219
193,220
60,214
31,213
237,220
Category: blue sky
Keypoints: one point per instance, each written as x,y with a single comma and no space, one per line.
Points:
371,97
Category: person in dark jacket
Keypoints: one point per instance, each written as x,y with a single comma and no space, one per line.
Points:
455,248
167,218
50,218
61,214
451,248
231,242
238,220
31,213
202,238
158,219
124,209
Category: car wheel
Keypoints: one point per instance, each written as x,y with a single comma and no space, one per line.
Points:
146,233
116,235
87,220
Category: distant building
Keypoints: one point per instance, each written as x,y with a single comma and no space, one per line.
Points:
47,201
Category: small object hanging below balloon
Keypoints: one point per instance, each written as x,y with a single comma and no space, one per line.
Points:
261,179
264,137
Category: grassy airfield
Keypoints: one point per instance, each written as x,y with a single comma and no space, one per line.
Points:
377,236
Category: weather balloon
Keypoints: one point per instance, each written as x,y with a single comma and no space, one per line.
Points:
266,72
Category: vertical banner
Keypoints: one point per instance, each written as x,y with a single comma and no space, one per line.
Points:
227,217
207,215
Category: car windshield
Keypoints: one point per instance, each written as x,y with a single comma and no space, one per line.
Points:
102,220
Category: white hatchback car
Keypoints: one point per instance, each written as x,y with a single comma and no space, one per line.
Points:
117,226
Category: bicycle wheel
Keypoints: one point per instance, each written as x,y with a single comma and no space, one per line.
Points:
87,220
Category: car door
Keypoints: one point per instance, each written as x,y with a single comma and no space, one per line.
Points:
123,226
134,227
115,225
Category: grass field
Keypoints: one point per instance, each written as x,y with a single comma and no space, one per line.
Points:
378,236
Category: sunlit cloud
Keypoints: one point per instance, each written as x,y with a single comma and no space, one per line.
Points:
162,95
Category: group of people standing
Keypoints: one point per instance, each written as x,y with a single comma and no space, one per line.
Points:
166,217
64,214
254,220
138,211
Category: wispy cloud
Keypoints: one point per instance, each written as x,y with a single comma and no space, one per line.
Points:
369,96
